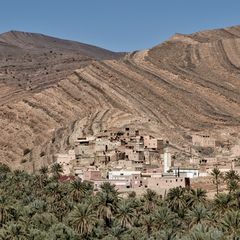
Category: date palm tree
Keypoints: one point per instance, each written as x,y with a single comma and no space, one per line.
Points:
166,234
43,171
232,175
56,170
15,232
106,202
147,222
196,197
109,188
203,232
43,176
83,219
231,224
4,213
217,176
125,213
232,179
199,214
150,199
43,221
4,168
232,186
223,202
115,232
176,199
77,190
164,217
106,205
60,231
35,234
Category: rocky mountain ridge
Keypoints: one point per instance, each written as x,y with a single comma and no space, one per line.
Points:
187,84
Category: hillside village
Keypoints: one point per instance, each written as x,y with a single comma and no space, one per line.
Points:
134,161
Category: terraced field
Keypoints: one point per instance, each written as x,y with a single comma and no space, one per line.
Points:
187,84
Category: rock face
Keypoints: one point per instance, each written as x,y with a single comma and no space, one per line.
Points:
187,84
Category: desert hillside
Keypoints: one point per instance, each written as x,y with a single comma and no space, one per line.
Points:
31,62
189,83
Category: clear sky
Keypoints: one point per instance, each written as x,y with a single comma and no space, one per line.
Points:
118,25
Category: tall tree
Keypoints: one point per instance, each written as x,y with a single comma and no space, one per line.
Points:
223,202
56,170
176,199
231,224
196,196
232,179
217,176
77,190
199,214
83,218
125,213
150,199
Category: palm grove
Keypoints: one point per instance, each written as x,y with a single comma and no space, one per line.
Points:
40,207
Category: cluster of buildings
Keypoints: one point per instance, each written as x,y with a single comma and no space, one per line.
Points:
220,155
133,161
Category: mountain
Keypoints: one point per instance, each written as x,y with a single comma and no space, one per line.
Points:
31,62
187,84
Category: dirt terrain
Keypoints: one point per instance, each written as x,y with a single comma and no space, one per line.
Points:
187,84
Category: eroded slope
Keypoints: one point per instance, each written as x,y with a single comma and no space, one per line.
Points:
189,83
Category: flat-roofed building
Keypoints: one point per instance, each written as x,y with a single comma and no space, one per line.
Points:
64,159
122,174
189,172
167,183
92,175
153,143
203,140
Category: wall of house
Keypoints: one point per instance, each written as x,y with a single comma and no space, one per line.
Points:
153,143
121,175
165,183
64,160
106,144
84,150
92,175
203,141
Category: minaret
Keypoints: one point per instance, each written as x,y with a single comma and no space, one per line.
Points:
167,160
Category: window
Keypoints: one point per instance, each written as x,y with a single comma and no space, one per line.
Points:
176,180
166,181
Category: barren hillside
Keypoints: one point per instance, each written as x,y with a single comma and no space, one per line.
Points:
189,83
31,62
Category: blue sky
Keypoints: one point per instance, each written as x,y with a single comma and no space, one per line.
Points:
118,25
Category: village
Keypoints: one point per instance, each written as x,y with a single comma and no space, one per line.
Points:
132,161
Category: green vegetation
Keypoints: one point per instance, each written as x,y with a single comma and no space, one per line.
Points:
40,207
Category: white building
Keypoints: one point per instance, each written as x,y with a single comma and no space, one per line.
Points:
122,174
185,172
